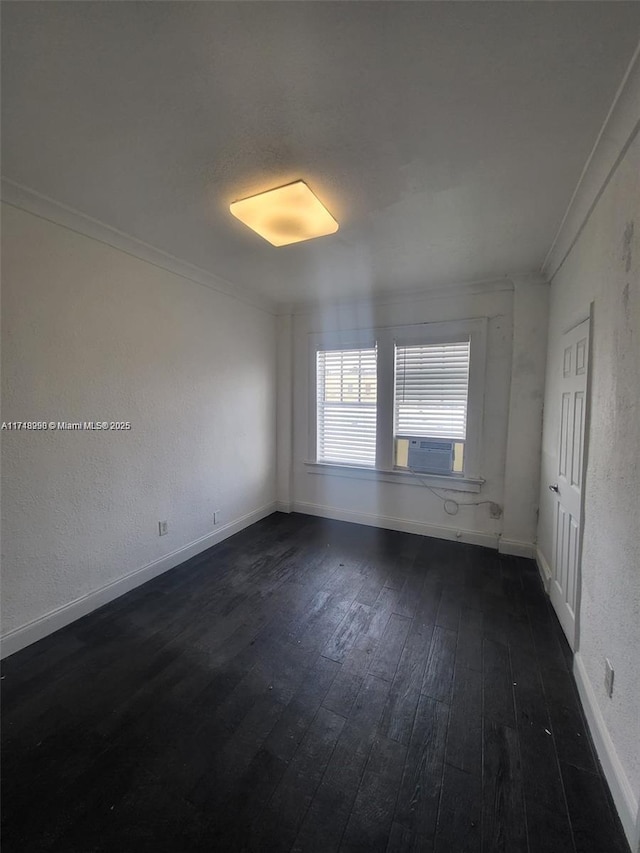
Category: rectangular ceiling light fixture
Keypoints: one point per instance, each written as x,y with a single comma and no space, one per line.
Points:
285,215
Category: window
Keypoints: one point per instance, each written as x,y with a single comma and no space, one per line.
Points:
431,390
346,386
401,400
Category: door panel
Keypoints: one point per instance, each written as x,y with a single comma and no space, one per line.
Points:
564,434
578,432
566,488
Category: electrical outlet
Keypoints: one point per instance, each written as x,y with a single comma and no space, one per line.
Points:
608,677
216,517
163,528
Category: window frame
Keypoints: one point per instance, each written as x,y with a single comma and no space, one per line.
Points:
385,339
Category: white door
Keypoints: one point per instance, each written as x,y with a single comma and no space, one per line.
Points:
567,484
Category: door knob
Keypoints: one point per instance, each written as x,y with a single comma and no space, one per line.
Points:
554,488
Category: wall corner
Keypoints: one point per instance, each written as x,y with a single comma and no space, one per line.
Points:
524,430
284,409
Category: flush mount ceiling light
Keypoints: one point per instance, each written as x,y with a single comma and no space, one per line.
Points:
285,215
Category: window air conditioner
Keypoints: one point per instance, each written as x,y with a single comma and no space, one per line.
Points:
430,456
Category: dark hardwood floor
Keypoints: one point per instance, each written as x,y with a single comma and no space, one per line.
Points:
307,685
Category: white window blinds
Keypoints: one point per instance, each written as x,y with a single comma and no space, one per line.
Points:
347,396
432,384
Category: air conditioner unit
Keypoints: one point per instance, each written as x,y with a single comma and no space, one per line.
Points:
430,455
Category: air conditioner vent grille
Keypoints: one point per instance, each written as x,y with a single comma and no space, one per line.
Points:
430,456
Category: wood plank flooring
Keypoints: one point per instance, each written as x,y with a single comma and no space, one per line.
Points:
306,686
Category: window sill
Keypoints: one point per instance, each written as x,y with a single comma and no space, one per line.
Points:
453,483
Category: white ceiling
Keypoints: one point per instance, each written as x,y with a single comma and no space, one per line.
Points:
446,138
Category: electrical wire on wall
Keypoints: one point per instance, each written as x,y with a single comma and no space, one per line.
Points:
452,507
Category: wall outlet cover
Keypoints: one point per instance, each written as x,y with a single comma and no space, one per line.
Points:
495,510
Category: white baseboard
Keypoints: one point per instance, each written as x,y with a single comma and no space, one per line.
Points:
473,537
545,570
621,790
517,548
283,506
39,628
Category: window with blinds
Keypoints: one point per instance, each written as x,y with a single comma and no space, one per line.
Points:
347,406
432,386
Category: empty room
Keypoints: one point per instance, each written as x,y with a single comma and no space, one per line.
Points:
320,426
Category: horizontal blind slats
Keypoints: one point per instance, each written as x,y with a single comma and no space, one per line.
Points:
346,411
432,385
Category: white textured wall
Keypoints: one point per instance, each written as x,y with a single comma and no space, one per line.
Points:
285,414
522,464
414,507
604,267
91,333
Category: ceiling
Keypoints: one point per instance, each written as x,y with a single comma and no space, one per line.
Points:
446,138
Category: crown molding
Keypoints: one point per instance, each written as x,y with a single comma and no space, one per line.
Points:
24,198
617,133
450,291
533,279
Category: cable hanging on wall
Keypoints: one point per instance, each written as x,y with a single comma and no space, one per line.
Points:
451,506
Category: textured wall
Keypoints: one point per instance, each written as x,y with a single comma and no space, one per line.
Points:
412,504
604,267
91,333
522,464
